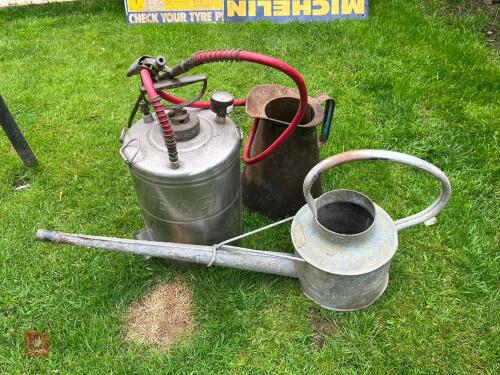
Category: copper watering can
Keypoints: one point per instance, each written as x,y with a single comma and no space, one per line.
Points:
343,241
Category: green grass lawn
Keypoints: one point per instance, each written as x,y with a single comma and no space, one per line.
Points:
406,79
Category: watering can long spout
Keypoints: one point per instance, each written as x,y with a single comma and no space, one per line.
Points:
275,263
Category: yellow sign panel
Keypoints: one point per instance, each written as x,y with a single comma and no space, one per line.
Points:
135,5
169,5
170,11
192,4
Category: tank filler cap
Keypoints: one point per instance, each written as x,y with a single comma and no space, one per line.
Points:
221,103
186,125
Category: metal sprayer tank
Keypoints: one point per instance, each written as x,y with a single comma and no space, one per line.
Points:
200,201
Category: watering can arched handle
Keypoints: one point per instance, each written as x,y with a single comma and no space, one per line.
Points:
391,156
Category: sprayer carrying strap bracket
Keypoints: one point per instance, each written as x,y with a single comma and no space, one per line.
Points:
173,83
126,143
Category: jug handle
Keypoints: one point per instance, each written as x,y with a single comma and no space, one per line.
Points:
327,117
390,156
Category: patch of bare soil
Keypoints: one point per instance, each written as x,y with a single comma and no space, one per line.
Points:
491,8
322,328
162,317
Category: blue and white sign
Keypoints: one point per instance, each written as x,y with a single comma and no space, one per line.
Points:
293,10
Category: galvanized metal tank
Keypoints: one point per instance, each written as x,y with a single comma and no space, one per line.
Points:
200,201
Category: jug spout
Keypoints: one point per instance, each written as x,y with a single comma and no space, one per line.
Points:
270,262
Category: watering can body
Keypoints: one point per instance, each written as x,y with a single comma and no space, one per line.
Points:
344,272
273,186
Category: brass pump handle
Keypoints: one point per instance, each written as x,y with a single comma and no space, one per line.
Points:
390,156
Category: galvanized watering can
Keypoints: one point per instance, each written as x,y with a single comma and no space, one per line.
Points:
347,241
343,241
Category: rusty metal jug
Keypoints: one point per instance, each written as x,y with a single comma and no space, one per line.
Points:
347,241
273,186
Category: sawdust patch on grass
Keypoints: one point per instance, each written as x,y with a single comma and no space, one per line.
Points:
162,317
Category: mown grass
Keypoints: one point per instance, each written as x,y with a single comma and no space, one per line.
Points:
405,79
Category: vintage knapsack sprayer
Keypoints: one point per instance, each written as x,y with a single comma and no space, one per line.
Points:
185,158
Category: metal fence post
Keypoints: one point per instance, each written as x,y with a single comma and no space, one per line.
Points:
15,136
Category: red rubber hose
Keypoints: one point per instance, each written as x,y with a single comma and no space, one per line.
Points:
205,57
163,119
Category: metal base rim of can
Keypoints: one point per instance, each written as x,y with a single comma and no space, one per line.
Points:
356,309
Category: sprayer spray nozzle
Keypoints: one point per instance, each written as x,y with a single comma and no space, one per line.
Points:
160,62
155,65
